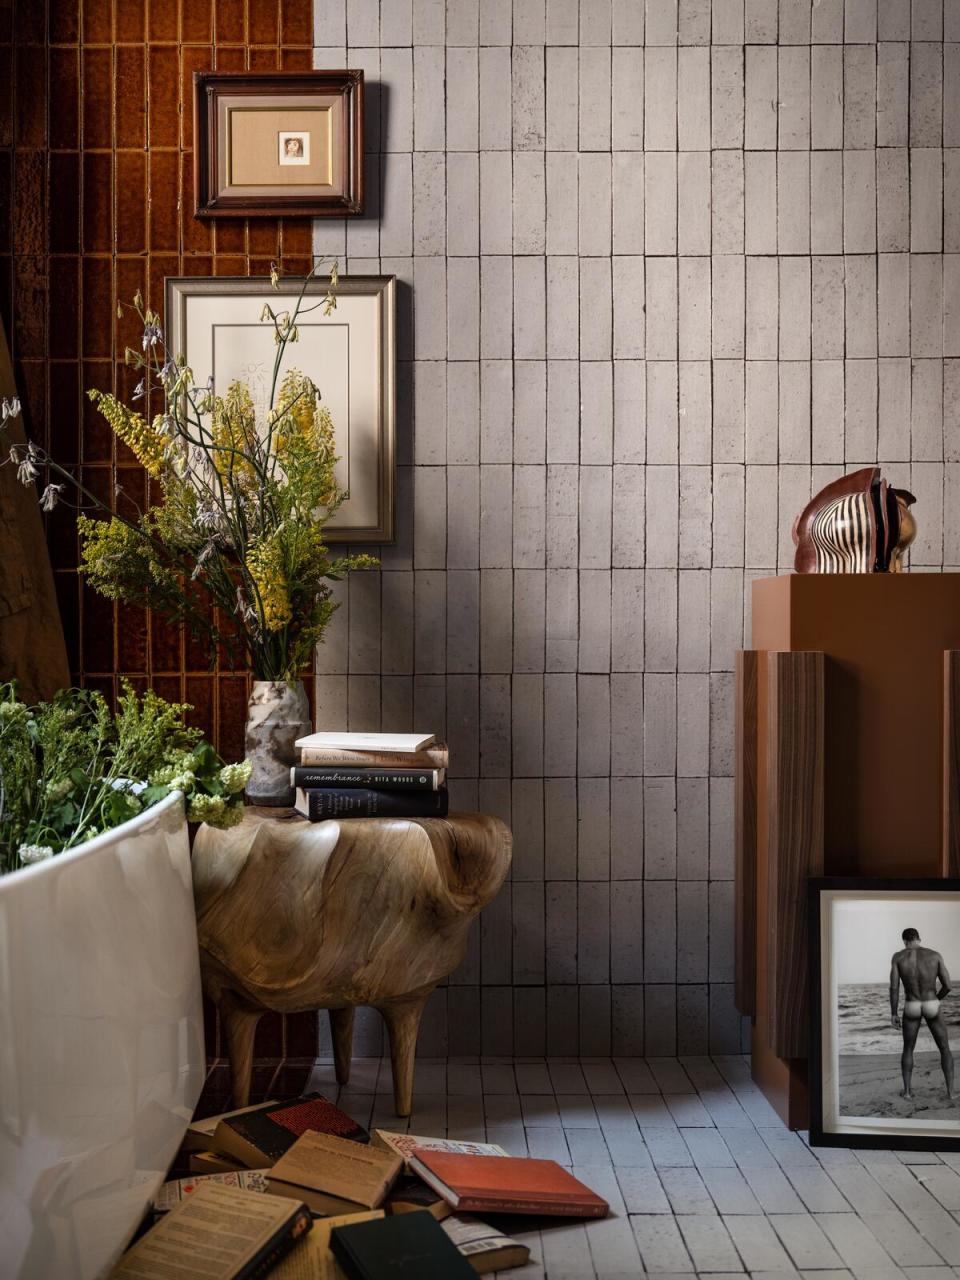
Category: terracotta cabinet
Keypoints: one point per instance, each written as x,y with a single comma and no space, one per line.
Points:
847,750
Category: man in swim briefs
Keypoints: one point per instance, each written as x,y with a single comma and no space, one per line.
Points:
919,969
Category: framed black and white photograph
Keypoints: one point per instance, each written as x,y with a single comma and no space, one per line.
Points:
885,1005
215,323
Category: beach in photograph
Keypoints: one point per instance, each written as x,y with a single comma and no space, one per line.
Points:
869,1050
870,1085
863,1021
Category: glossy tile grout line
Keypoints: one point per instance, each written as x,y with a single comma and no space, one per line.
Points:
702,1176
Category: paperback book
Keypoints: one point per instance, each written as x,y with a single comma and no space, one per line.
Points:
171,1193
313,1258
404,1144
484,1247
332,1175
239,1236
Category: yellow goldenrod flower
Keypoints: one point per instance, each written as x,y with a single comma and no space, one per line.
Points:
265,566
132,428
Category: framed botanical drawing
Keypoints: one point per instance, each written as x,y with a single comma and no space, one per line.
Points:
885,1030
275,142
349,354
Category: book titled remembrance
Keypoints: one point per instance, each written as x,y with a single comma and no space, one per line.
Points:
340,777
363,802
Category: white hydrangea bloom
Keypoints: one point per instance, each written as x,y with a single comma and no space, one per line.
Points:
30,853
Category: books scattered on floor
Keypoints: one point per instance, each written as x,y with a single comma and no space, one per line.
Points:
407,1246
237,1235
506,1184
371,775
257,1138
386,1203
332,1175
171,1193
404,1143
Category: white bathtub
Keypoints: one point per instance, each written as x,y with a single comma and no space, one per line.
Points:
101,1042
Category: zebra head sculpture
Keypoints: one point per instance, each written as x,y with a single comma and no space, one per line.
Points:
857,524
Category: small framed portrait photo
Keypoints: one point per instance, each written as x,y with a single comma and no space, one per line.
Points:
269,143
293,148
885,1007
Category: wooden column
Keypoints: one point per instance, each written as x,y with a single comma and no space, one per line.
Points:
745,834
795,780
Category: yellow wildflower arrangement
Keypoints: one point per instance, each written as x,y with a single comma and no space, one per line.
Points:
239,533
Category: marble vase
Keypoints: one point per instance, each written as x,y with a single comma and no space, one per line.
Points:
277,714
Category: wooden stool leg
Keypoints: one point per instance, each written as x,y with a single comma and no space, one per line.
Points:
341,1029
403,1024
240,1027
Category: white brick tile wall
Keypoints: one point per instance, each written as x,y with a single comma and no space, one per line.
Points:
665,265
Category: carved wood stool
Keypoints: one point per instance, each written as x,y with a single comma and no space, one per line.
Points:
295,915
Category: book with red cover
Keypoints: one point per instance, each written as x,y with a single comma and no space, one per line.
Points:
259,1138
506,1184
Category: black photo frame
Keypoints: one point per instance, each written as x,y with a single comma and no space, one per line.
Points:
830,1073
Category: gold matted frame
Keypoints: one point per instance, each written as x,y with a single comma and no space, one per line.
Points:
214,323
243,165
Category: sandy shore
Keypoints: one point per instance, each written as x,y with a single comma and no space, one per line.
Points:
870,1085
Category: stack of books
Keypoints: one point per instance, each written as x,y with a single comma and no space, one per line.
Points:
371,775
311,1195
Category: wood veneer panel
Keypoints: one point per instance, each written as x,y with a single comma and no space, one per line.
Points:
795,785
951,762
745,833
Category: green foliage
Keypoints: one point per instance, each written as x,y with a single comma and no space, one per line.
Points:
70,770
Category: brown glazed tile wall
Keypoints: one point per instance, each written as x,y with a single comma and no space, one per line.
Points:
96,201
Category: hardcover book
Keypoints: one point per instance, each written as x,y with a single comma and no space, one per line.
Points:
484,1247
405,742
506,1184
407,1246
238,1236
313,1258
405,1143
436,756
308,776
260,1137
361,802
332,1175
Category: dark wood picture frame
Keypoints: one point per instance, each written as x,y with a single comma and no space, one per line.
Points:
210,86
820,1137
